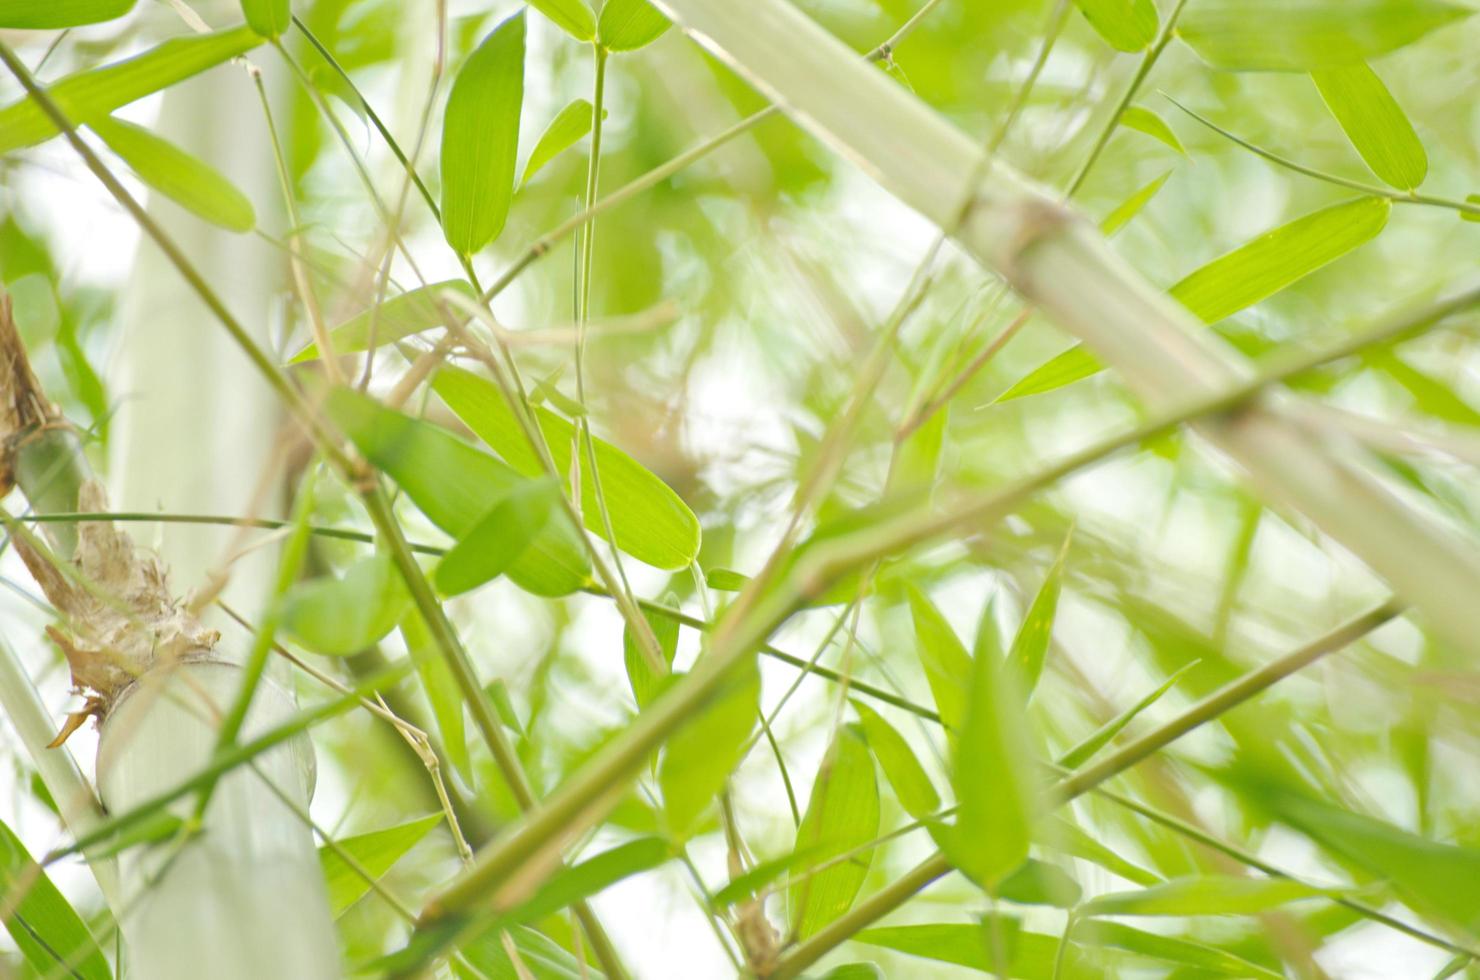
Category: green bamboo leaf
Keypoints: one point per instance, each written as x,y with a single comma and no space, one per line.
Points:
1375,123
746,885
499,539
441,689
652,523
946,662
1131,206
1197,956
913,787
1030,646
376,852
997,792
339,617
1249,274
45,928
270,18
188,181
725,580
592,876
1143,120
855,971
1031,955
1305,35
1038,883
1206,895
1469,216
455,485
487,959
573,17
627,25
480,138
698,760
1101,736
1070,839
397,318
842,814
91,94
50,15
1127,25
569,125
645,684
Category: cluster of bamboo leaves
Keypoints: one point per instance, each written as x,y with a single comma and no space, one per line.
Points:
984,766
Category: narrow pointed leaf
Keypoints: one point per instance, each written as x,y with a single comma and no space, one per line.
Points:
592,876
480,139
45,928
1039,883
376,852
842,814
946,662
569,125
1130,207
1127,25
645,684
344,616
91,94
188,181
441,689
573,17
1375,123
50,15
1074,364
1208,895
1101,736
1068,838
1143,120
912,786
398,317
627,25
652,523
270,18
487,959
1305,35
1032,955
698,760
746,885
1030,646
1170,949
725,580
497,541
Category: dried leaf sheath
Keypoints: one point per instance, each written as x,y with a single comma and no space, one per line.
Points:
117,616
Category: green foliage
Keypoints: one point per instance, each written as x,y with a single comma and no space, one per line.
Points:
1375,123
627,25
270,18
46,929
568,126
913,787
645,683
395,319
190,182
697,763
572,16
344,616
1128,25
1145,121
374,853
842,816
499,539
46,15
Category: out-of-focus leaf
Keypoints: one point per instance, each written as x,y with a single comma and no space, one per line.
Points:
569,125
1171,949
1143,120
538,953
1304,35
639,674
1250,273
1467,215
155,829
1030,646
913,787
398,317
573,17
842,814
50,15
744,886
455,484
1131,206
441,689
651,522
270,18
1375,123
1031,954
916,464
1207,895
1037,883
344,616
498,540
91,94
854,971
592,876
946,662
627,25
43,925
480,138
1070,839
698,760
188,181
725,580
1098,739
1127,25
376,852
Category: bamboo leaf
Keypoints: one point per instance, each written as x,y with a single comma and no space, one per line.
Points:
455,484
270,18
398,317
645,685
1070,839
627,25
1038,883
91,94
1131,206
1207,895
480,138
842,814
946,662
539,954
1074,364
1170,949
652,523
1304,35
1375,123
725,580
190,182
1128,25
569,125
1101,736
913,787
1031,955
50,15
1030,646
1143,120
338,617
697,762
44,926
441,689
746,885
592,876
573,17
498,540
376,852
